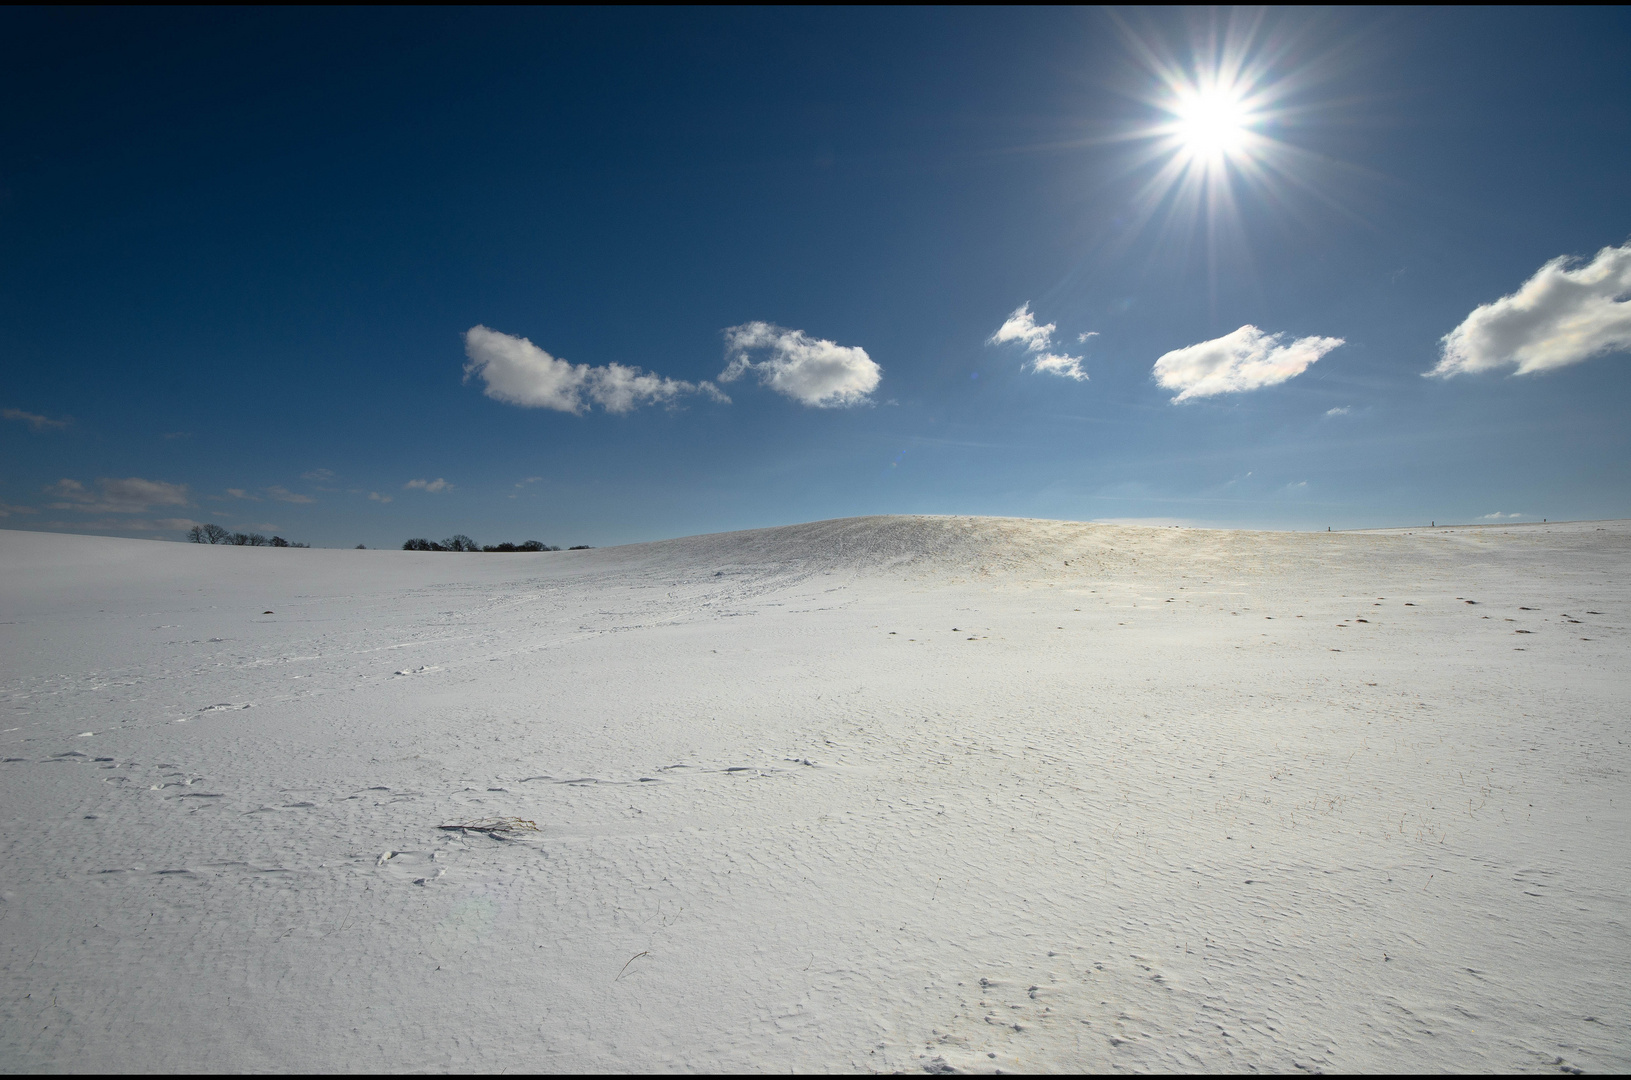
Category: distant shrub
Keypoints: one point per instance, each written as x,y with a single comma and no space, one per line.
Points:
461,542
214,534
580,547
208,534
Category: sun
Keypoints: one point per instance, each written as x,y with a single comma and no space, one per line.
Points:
1212,124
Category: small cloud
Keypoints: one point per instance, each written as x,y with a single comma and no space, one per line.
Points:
1084,335
240,493
131,495
524,481
1498,516
318,475
518,372
1298,485
812,371
432,486
1340,410
377,497
1247,359
1056,364
6,510
1022,326
1556,318
283,494
35,421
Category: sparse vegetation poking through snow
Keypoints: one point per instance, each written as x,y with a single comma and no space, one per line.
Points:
494,826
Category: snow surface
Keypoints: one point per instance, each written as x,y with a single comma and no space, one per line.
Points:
893,793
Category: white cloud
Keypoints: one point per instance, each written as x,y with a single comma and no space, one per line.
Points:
318,475
621,389
240,493
518,372
1556,318
432,486
1340,410
35,421
1247,359
811,371
283,494
1498,516
377,497
6,510
1022,326
131,495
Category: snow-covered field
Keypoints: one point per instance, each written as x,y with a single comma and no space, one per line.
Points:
875,794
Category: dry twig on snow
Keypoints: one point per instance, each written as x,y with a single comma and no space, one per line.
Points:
496,827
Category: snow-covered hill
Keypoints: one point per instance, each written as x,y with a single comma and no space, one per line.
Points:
874,794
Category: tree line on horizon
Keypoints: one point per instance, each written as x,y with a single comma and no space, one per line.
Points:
215,534
461,542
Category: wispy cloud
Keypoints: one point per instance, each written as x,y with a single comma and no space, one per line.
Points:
812,371
6,510
1556,318
377,497
1498,516
1022,326
240,493
283,494
131,495
432,486
1247,359
318,475
1340,410
35,421
525,480
127,524
517,372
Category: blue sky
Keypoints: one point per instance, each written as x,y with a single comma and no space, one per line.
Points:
358,276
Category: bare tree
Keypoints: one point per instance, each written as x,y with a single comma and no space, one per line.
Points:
460,542
196,534
214,534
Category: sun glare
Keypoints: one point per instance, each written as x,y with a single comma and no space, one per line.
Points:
1211,123
1215,115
